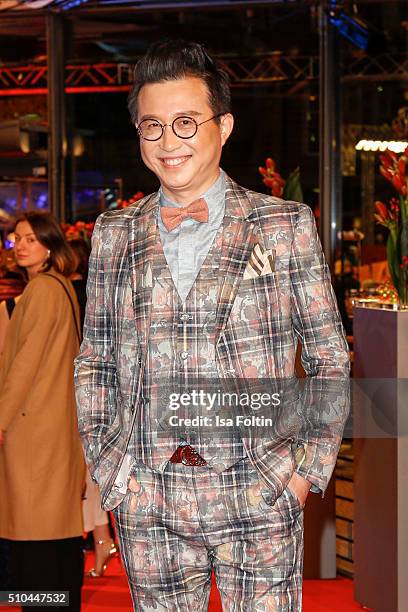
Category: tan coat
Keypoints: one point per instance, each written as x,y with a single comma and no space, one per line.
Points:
41,462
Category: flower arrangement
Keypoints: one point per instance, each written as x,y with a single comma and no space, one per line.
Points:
394,217
125,203
386,293
82,230
78,230
289,189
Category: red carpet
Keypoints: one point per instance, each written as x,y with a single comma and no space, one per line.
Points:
111,593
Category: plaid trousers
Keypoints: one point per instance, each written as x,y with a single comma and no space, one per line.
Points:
175,527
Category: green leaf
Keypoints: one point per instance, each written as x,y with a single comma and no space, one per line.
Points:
404,239
393,266
293,188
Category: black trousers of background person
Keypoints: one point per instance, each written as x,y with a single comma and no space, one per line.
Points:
48,565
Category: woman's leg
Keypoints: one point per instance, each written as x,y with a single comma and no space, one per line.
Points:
49,565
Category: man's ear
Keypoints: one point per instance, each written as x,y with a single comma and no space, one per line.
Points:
226,126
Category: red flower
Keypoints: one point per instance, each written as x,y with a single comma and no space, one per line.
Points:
393,168
272,179
386,161
394,209
386,172
398,181
276,186
382,212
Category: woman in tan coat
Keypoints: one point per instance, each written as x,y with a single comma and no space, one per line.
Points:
41,460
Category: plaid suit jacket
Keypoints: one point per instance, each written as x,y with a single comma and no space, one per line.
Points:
295,301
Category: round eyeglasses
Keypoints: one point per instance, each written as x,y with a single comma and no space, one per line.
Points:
183,127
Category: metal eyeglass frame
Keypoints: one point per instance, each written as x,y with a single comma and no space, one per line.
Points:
163,125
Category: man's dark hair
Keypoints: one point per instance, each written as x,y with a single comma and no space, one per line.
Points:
176,59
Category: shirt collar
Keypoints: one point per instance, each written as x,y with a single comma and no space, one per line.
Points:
214,196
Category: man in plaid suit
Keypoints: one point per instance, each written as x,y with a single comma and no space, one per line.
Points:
203,280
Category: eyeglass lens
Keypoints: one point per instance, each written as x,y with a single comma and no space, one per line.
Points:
183,127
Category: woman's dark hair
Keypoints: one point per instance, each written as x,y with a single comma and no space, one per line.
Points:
50,235
82,252
175,59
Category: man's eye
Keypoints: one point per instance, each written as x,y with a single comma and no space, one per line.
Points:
150,125
185,122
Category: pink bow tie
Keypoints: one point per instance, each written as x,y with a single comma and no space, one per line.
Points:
172,217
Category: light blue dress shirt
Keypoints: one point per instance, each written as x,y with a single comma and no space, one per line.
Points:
187,246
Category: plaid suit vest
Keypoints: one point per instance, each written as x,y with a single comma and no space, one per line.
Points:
181,351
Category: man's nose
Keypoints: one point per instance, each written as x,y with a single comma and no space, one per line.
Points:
169,140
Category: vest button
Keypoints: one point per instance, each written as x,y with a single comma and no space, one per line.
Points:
184,355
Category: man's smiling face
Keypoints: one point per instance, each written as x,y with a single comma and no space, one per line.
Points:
186,168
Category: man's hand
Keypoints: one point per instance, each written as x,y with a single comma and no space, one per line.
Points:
300,487
2,436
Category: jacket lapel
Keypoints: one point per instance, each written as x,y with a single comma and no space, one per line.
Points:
239,239
141,247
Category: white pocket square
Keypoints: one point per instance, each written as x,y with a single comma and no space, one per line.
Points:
260,262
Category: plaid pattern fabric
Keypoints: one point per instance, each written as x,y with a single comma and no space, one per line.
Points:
181,350
174,527
251,327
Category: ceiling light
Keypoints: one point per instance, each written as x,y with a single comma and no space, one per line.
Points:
397,146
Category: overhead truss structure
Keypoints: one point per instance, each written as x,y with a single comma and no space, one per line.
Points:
384,67
291,71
